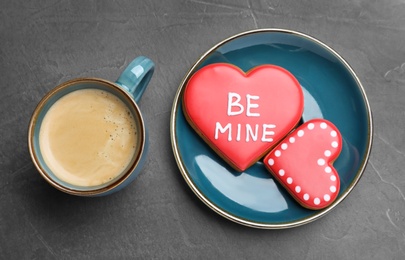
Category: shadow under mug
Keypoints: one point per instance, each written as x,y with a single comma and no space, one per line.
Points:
129,88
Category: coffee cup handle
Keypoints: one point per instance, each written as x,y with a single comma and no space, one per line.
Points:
135,78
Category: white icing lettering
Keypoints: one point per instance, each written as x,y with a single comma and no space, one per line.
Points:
249,132
251,105
266,133
238,134
231,103
246,132
218,127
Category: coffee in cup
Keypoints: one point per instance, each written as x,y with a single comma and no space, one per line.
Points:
87,136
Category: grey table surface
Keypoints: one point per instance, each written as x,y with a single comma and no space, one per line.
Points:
44,43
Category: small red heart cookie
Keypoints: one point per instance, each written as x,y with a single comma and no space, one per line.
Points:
242,115
302,163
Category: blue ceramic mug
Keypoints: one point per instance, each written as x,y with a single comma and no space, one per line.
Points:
127,90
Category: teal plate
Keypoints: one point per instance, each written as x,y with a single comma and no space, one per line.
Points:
331,91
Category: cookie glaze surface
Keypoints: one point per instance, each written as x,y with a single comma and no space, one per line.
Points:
302,163
242,115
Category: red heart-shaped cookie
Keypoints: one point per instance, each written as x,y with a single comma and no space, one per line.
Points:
242,115
302,163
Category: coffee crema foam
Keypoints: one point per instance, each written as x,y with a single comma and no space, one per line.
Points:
88,137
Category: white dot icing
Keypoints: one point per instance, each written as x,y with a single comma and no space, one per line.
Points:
320,161
271,162
284,146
